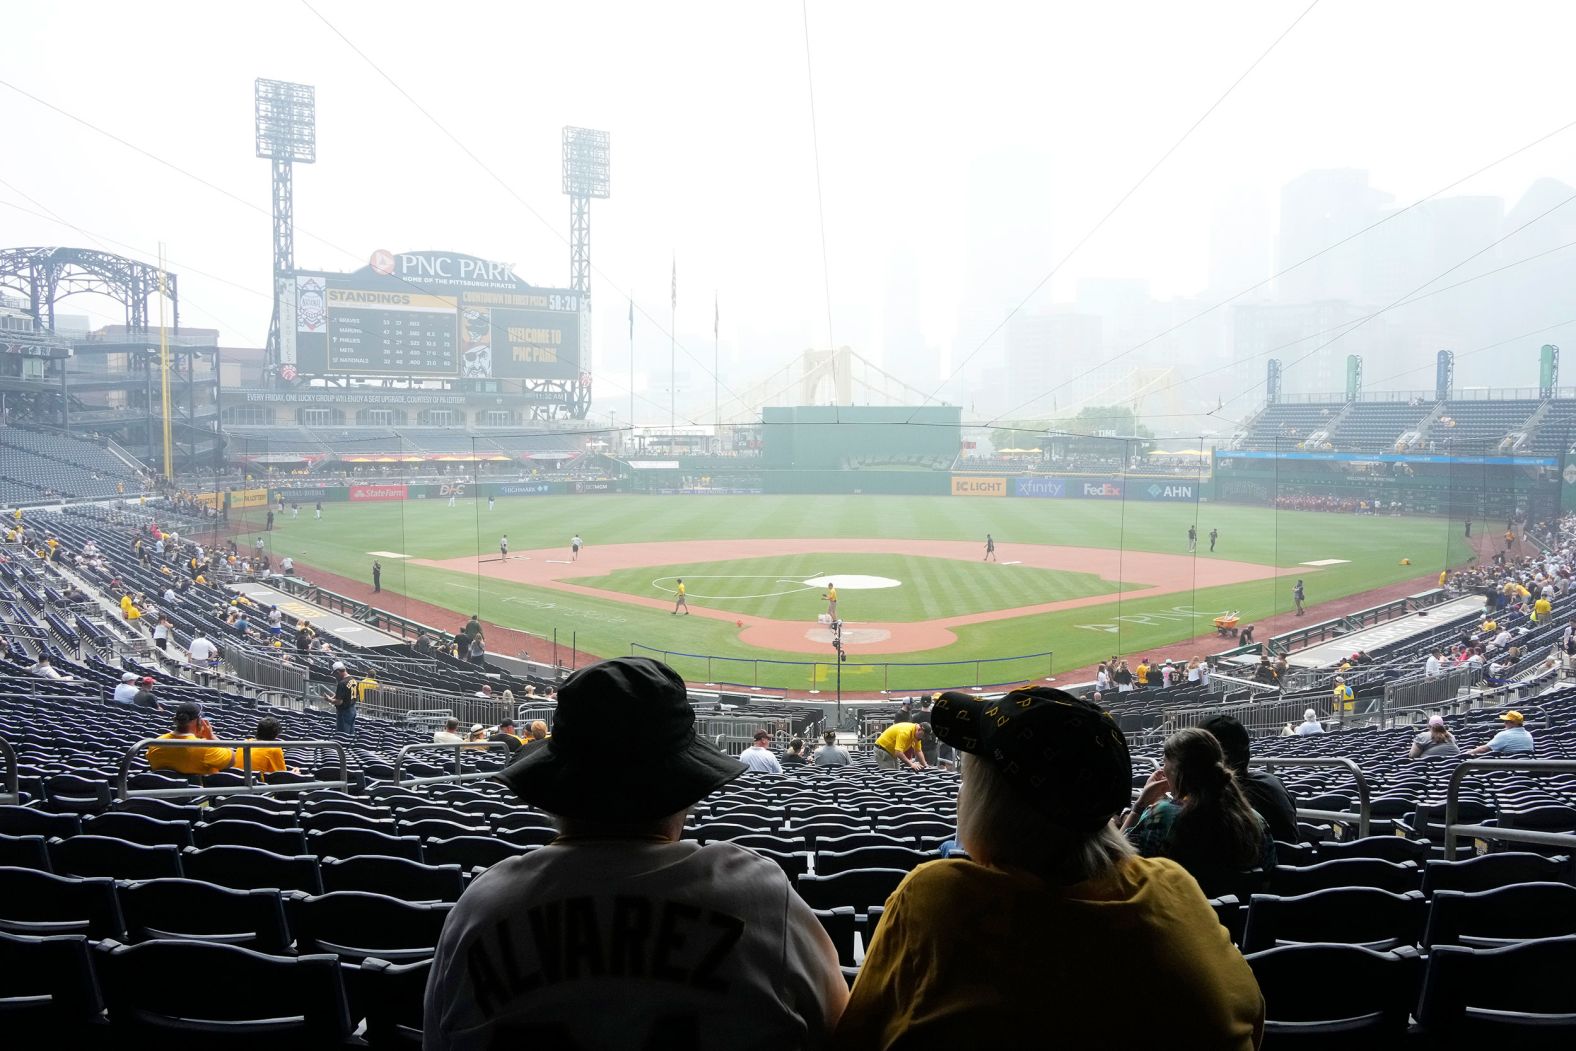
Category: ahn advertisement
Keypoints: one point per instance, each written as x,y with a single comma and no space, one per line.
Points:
1176,491
975,485
370,493
1040,486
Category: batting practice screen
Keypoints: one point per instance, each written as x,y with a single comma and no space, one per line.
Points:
430,314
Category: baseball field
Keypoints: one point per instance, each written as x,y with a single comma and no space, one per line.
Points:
1081,579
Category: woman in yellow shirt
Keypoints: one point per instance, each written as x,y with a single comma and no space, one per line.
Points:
1017,947
264,760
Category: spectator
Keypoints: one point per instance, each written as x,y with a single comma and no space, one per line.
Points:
1265,792
758,758
505,733
485,692
1123,677
265,760
189,726
1206,825
1432,666
126,691
450,734
476,651
901,744
829,754
538,738
44,668
947,966
343,699
1310,724
1141,673
1514,739
716,929
795,754
144,697
1436,742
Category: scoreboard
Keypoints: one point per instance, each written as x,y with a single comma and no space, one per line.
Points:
430,315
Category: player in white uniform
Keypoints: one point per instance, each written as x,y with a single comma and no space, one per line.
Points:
575,544
503,547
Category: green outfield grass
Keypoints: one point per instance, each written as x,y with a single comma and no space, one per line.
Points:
930,587
1373,546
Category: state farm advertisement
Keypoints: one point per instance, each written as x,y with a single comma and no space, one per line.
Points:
368,493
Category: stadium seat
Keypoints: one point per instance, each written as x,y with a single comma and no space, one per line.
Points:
1494,870
1396,877
138,828
1520,994
25,852
195,910
470,852
30,821
115,858
163,809
1375,919
1490,918
247,999
435,828
394,995
356,925
249,834
793,863
47,987
840,924
1370,1010
34,902
72,793
353,842
326,820
526,835
251,815
1385,848
1231,914
861,888
395,877
905,858
854,840
248,868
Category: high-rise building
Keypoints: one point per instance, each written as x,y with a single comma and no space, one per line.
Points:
1043,350
1318,209
904,352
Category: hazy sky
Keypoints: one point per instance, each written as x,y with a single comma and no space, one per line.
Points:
713,161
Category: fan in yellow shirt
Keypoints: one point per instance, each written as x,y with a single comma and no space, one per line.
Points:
265,760
189,726
901,743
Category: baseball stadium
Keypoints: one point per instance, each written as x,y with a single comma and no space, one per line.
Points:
449,668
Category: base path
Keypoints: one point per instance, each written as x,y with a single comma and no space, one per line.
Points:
1154,574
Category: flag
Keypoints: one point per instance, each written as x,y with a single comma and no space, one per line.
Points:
716,317
675,282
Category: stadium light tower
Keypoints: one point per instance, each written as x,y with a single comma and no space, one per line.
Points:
585,177
286,135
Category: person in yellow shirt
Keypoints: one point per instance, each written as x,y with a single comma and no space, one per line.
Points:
680,601
367,685
831,600
1342,695
1444,576
946,966
1141,673
1541,608
264,760
189,726
901,744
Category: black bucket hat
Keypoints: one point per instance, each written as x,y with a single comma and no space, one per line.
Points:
574,776
1065,755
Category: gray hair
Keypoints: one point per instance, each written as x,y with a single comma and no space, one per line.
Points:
998,827
1310,716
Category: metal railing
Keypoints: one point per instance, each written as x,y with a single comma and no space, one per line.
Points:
884,676
460,774
12,793
124,791
1418,692
1453,829
1364,805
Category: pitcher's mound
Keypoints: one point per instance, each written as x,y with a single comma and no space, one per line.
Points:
851,636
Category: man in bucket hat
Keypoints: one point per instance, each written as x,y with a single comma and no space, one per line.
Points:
619,933
1016,946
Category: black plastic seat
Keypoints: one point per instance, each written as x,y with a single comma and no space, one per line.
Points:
251,815
325,820
247,868
38,903
353,842
840,924
25,852
854,840
1371,1010
163,809
72,793
394,995
1396,877
793,863
1494,870
248,999
395,877
31,821
356,925
250,834
201,911
1374,919
101,856
1488,919
47,987
439,828
860,888
470,852
139,828
1520,994
1385,848
905,858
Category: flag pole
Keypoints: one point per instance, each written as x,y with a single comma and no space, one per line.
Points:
716,364
673,370
631,374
